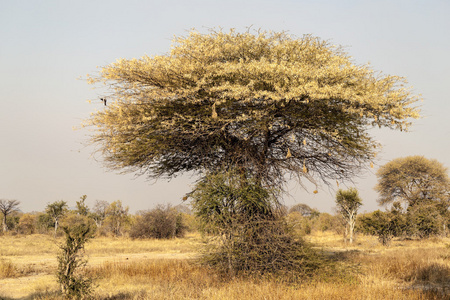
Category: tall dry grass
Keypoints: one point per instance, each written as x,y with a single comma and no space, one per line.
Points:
127,269
173,279
123,245
7,269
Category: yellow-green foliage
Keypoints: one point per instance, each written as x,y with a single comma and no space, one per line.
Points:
413,180
269,102
27,224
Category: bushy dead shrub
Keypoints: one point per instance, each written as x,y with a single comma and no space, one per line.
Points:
162,222
265,247
248,233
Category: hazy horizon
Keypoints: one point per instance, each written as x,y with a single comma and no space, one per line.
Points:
48,45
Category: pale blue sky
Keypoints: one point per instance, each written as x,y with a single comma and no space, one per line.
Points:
46,45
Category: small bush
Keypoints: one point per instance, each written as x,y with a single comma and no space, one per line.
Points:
385,225
74,282
117,218
327,222
12,221
159,223
300,224
27,224
44,223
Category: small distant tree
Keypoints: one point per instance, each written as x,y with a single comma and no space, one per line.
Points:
82,208
116,217
6,208
56,211
301,217
98,214
348,203
44,223
304,210
12,221
74,282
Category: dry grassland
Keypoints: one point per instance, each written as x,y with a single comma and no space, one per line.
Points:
152,269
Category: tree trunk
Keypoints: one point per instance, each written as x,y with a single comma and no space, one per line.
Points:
350,229
346,233
5,226
56,226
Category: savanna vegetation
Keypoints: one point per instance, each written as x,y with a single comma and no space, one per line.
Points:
243,112
124,268
104,265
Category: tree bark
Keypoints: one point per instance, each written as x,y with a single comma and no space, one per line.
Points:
5,226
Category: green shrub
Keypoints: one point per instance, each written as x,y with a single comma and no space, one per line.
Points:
385,225
74,282
425,220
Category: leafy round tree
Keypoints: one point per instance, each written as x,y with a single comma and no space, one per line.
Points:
304,210
413,180
267,103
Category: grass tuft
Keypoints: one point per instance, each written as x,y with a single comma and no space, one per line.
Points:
7,269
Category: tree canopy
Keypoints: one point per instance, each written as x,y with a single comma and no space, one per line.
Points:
56,211
347,204
413,180
264,102
304,210
7,207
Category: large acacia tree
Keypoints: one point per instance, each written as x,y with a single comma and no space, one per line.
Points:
267,104
422,185
413,180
